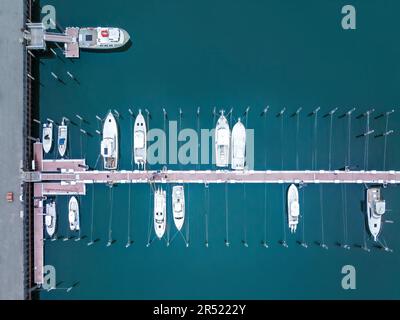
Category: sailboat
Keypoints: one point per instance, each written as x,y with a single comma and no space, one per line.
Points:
293,207
238,146
50,218
376,207
109,144
47,136
139,140
178,206
222,142
73,214
62,138
160,212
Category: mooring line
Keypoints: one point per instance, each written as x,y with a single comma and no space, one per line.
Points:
226,216
111,215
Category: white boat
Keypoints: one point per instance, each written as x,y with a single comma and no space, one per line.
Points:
50,218
376,207
62,138
140,140
102,38
238,146
47,136
293,207
109,144
73,214
178,206
222,142
160,212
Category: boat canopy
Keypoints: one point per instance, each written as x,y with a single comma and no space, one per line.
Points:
380,207
48,220
223,136
178,206
139,142
107,147
295,210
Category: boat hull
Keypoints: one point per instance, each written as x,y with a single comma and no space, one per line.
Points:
102,38
140,141
110,147
73,214
293,211
160,213
62,139
47,137
178,206
375,204
51,218
238,146
222,142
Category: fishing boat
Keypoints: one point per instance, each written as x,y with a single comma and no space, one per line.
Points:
50,218
62,138
160,212
109,144
178,206
222,142
238,146
73,214
293,207
102,38
47,136
376,207
139,140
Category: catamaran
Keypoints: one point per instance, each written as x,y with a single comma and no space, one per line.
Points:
376,207
293,208
50,218
109,144
47,136
102,38
222,141
238,146
160,212
73,214
178,206
62,138
139,140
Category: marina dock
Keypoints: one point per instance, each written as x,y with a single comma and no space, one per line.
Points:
69,177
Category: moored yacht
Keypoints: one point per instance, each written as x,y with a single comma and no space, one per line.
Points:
50,218
238,146
139,140
62,138
376,207
109,144
178,206
73,214
102,38
160,212
293,207
47,136
222,141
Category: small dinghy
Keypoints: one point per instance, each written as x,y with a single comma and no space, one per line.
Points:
47,136
62,138
160,212
50,218
73,214
293,207
178,206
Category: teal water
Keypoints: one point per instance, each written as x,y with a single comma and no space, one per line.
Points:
230,54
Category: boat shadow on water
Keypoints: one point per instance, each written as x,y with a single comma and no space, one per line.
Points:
124,48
